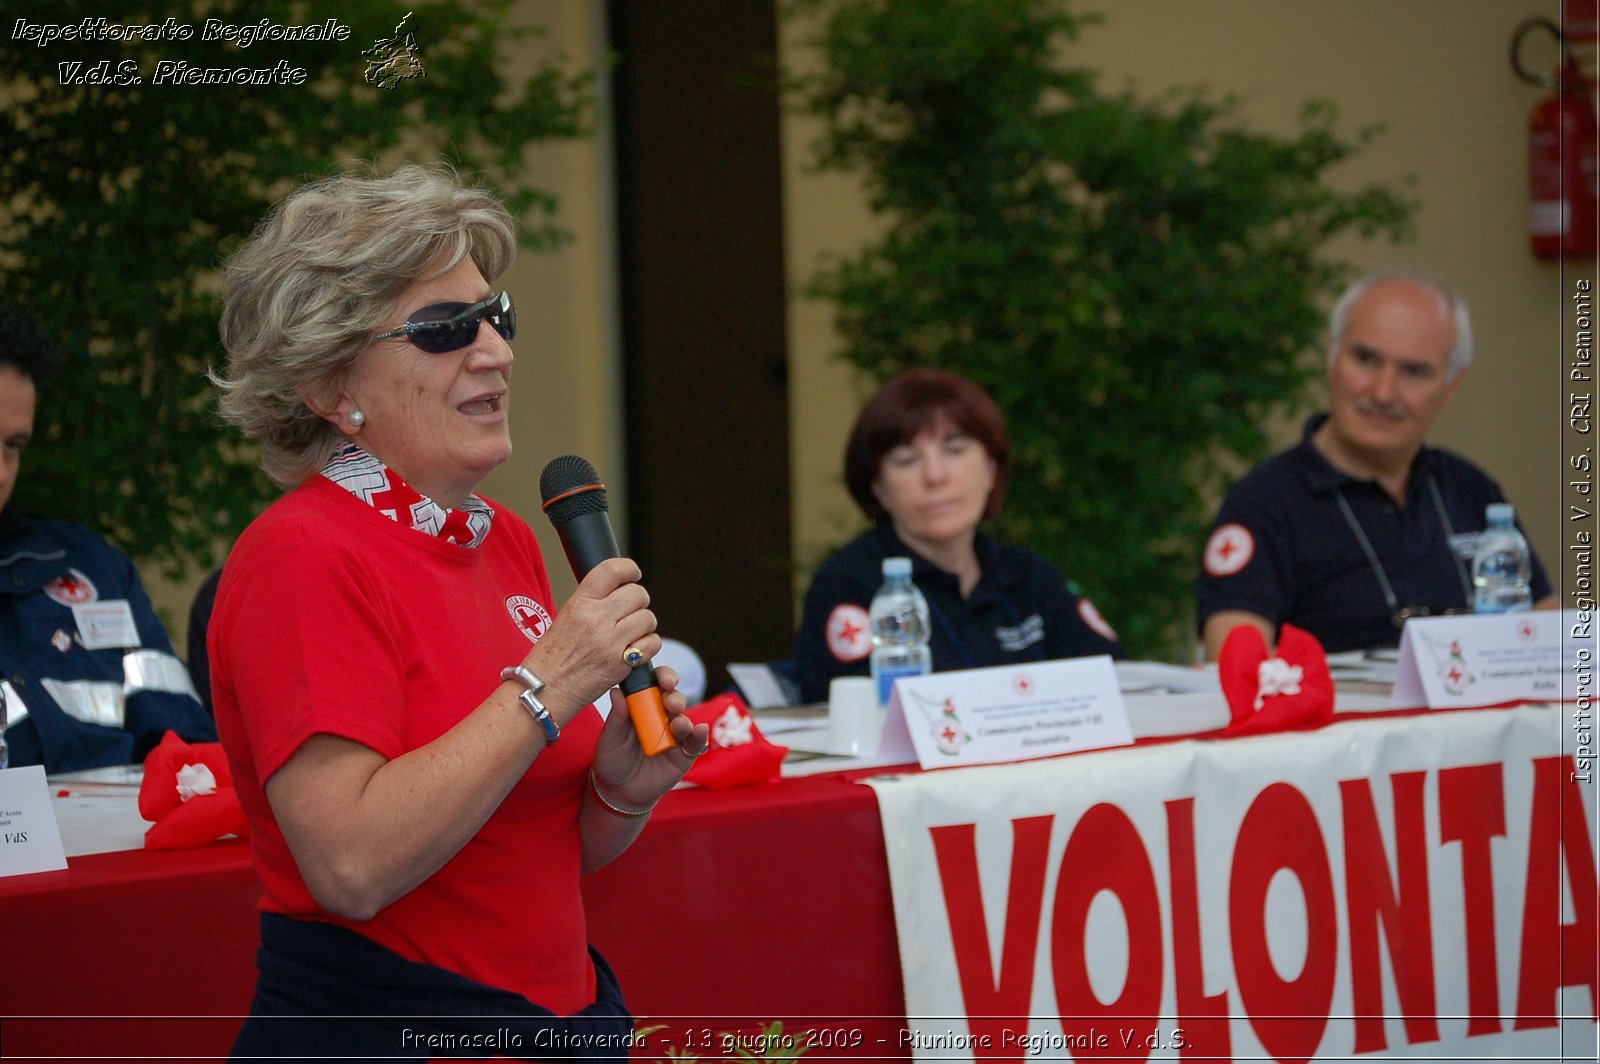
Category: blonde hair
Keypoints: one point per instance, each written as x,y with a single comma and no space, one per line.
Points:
319,277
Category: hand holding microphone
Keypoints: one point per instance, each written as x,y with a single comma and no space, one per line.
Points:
575,501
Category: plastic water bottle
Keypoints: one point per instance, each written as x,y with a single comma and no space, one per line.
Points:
1503,566
899,616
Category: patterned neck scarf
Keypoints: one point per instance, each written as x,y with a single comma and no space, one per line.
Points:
382,488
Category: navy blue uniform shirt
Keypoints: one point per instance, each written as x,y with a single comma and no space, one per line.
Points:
1021,610
1282,547
70,707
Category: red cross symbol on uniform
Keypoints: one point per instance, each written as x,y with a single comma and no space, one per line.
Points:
1229,549
846,632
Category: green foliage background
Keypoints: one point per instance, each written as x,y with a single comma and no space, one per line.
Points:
1135,282
120,201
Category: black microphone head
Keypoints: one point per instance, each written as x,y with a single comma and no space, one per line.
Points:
570,488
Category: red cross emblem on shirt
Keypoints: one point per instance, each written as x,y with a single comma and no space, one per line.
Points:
71,588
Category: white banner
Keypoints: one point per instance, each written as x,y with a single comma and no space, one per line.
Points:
1410,886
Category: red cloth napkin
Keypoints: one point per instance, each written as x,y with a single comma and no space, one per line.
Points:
188,791
1292,690
739,753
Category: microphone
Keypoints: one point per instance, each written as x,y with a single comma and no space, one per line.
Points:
575,501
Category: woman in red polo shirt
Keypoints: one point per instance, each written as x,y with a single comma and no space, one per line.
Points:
408,720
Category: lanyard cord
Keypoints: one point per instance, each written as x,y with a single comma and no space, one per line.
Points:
1366,547
1372,555
1449,539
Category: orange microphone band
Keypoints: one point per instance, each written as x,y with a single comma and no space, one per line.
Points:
579,490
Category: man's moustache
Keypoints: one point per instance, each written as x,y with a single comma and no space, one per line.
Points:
1367,406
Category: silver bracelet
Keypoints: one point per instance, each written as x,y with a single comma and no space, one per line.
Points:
594,785
530,699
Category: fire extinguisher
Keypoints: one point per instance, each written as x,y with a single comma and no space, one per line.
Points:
1563,191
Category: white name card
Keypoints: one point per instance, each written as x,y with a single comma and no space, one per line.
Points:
30,841
1489,658
106,624
1005,713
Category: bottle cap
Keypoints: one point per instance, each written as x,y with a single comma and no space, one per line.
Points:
1500,513
896,567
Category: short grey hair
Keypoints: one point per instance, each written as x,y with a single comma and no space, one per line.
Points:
1460,354
319,277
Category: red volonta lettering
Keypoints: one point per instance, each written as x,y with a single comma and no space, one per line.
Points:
1280,831
1203,1018
1472,811
1106,853
995,1006
1557,955
1372,898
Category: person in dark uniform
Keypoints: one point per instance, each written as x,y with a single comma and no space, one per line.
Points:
928,460
1361,525
87,672
200,610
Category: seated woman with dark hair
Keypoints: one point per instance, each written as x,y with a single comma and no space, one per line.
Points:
928,460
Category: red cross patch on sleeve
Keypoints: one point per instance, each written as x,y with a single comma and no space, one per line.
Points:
849,633
1229,549
1093,619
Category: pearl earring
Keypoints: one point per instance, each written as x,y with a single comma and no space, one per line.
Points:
357,418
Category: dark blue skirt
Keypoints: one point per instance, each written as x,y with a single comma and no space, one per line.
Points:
326,992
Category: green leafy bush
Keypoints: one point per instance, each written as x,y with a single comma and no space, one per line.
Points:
121,200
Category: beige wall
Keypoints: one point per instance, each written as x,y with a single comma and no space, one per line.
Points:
1435,71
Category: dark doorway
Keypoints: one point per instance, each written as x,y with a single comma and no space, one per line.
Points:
699,216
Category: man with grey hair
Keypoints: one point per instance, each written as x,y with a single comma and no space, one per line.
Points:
1361,525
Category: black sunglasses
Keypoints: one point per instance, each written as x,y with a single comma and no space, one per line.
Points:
444,327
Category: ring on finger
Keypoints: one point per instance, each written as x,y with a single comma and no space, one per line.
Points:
632,657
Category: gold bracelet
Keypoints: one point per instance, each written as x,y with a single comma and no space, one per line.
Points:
594,785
